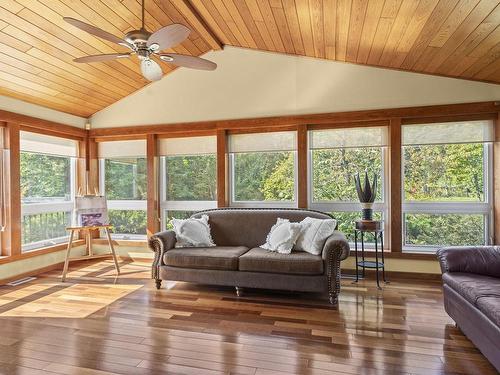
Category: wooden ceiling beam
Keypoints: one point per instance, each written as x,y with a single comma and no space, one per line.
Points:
196,20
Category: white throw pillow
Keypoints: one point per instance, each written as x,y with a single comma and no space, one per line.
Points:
314,233
192,232
282,236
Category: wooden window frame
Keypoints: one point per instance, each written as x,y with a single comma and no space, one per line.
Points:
12,125
89,169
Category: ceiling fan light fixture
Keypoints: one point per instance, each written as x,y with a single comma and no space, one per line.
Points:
167,58
145,45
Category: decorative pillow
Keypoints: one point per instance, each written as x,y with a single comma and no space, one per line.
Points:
314,233
192,232
282,236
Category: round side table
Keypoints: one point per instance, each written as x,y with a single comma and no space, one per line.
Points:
377,228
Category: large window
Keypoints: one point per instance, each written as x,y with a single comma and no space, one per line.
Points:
263,169
47,166
188,176
447,184
335,157
123,179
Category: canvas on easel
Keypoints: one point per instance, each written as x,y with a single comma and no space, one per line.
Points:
91,210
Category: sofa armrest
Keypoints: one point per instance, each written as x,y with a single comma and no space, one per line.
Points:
160,243
482,260
336,248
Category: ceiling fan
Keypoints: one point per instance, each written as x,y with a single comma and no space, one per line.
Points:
146,46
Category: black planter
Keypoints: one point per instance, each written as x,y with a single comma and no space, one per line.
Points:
367,213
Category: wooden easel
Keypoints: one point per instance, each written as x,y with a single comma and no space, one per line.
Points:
88,245
88,238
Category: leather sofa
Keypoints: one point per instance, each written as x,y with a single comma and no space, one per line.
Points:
471,286
238,261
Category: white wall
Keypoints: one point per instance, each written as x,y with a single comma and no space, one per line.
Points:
252,83
33,110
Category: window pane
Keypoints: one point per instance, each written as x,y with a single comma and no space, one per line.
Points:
169,215
334,170
345,221
45,178
44,229
444,229
191,178
125,179
130,222
452,172
264,176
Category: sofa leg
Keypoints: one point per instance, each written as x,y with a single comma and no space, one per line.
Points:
239,291
158,283
333,298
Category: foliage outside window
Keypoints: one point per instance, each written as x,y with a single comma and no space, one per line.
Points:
263,169
125,179
47,189
188,176
191,177
123,169
336,155
264,176
446,184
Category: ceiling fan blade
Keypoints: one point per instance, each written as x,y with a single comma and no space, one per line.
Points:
151,70
168,36
96,31
103,57
192,62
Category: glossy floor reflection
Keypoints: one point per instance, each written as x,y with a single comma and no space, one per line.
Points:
96,324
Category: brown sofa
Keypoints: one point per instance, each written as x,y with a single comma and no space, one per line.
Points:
238,261
471,286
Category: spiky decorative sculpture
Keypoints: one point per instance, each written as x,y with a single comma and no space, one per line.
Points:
366,194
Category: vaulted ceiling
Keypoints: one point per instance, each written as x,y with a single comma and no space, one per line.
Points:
456,38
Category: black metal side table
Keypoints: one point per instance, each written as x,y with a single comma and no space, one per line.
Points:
377,228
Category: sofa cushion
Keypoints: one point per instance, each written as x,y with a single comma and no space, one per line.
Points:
297,262
472,286
490,306
228,224
213,258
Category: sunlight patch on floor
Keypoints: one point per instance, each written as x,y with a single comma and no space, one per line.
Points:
74,301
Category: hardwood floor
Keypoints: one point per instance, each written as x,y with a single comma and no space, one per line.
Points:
98,324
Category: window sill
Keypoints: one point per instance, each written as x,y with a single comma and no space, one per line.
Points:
38,252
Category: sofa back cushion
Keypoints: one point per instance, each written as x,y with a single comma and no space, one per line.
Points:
249,226
481,260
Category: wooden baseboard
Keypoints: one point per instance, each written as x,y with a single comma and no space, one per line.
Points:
35,272
397,275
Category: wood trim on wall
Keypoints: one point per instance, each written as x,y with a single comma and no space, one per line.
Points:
12,242
421,112
222,169
93,167
302,167
153,209
469,117
395,204
496,182
39,124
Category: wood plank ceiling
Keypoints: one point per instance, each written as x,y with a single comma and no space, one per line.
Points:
37,48
457,38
